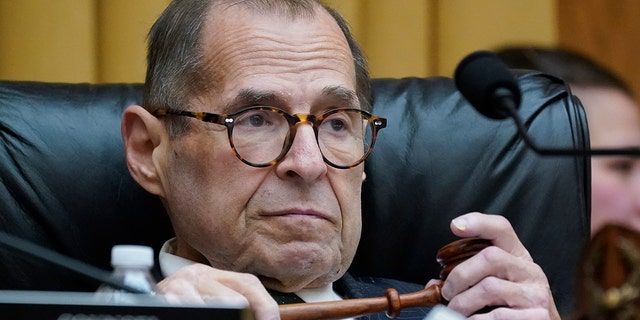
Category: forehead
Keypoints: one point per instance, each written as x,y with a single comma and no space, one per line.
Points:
612,116
246,49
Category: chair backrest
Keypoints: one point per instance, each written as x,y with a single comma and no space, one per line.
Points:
65,184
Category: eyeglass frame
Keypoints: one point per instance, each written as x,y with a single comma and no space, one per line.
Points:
228,120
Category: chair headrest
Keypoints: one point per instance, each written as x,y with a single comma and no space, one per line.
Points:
439,158
65,183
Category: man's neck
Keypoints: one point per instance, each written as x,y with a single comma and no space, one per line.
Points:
170,262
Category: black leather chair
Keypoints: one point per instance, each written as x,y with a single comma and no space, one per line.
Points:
65,184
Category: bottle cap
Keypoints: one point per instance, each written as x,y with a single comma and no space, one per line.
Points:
131,256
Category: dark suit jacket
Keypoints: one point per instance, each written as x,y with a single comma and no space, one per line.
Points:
369,287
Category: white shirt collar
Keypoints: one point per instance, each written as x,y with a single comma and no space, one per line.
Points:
169,262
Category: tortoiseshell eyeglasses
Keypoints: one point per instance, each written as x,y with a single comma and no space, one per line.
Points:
262,136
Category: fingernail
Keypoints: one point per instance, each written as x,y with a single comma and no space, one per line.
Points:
459,224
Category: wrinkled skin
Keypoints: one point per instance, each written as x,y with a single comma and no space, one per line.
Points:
296,224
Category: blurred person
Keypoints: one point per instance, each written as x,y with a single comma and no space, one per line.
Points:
614,121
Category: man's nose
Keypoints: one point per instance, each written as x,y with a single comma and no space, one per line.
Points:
304,158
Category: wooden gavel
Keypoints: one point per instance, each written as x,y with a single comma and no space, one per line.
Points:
392,303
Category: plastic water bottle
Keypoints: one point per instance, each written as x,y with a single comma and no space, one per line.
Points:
131,266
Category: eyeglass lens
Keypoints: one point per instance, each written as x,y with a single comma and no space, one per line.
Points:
260,136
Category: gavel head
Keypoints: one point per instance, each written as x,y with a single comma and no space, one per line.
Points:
458,251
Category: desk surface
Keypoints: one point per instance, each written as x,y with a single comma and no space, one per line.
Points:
85,306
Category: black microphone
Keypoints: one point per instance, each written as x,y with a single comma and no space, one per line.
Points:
492,89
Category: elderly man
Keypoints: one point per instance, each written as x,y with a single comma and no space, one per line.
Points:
254,130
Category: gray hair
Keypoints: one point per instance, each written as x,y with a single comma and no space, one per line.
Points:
175,56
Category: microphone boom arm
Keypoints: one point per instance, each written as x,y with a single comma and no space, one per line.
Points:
42,253
507,105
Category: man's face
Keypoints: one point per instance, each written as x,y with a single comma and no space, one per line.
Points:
296,224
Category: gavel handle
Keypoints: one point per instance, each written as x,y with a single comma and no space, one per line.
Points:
448,256
392,303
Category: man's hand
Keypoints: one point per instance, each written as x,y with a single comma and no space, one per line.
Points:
199,283
502,276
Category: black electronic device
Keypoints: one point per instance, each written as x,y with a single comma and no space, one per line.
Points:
57,305
65,305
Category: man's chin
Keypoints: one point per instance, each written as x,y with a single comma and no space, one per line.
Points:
294,275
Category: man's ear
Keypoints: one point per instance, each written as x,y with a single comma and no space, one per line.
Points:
142,134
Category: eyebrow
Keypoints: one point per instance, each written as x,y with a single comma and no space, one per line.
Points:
343,95
253,97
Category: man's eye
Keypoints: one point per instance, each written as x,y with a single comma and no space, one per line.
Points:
255,120
337,125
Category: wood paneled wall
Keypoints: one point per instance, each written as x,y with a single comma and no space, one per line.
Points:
608,31
75,40
104,40
429,37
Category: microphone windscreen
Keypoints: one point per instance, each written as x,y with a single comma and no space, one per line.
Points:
485,80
